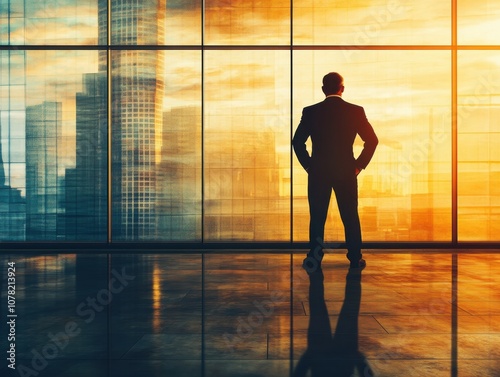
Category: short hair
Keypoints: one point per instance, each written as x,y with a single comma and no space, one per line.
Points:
332,82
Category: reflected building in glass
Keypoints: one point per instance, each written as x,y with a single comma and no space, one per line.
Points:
86,195
43,133
242,199
137,102
12,207
179,175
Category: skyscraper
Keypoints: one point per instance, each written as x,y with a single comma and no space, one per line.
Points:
137,101
86,185
12,207
43,132
179,176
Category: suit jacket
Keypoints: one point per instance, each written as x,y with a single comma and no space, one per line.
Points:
332,126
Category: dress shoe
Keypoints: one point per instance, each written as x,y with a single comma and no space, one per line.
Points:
312,262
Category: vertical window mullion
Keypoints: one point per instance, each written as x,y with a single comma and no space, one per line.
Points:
202,51
109,121
291,121
454,125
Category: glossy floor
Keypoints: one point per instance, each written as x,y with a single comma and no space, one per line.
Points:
252,314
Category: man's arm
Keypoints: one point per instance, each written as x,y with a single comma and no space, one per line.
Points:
300,137
367,134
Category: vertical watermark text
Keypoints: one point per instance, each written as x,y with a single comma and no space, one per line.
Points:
11,314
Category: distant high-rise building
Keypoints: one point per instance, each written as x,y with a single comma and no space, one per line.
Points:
12,207
43,133
179,176
86,195
137,102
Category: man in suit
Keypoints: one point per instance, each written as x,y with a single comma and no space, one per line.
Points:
332,126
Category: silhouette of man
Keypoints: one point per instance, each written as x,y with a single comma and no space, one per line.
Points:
332,126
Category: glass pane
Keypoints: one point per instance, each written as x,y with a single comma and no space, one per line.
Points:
156,145
405,192
247,22
24,22
370,23
183,22
478,146
247,146
66,146
53,173
179,170
155,22
134,23
12,146
478,22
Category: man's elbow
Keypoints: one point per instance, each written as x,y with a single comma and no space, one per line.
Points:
296,144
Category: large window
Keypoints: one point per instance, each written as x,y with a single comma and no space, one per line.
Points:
247,145
172,120
405,193
478,145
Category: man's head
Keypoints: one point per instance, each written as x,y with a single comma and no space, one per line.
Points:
333,83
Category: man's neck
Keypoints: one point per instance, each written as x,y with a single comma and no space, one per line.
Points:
334,95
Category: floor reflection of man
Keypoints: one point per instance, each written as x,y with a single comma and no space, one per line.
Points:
338,354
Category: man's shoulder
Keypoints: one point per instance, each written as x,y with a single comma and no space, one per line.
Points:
318,106
338,102
352,105
314,106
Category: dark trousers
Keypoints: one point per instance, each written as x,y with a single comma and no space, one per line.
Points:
346,192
